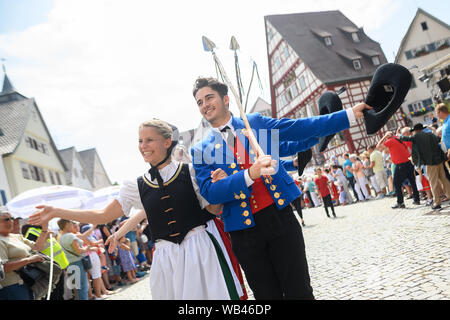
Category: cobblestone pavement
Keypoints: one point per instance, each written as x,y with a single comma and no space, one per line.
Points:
374,252
369,252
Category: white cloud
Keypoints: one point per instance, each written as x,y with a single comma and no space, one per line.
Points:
99,68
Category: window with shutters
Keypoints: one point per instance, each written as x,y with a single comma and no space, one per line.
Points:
25,170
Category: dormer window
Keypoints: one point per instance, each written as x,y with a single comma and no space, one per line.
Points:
325,36
351,31
376,60
357,64
355,37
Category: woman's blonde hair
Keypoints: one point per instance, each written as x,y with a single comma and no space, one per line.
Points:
162,127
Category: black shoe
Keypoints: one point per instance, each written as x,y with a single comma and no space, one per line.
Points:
397,206
436,207
416,203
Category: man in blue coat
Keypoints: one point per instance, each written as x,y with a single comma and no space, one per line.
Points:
266,237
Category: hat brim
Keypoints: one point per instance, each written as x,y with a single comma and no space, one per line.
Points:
303,159
329,102
389,86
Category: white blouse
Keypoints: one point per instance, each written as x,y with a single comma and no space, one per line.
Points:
129,196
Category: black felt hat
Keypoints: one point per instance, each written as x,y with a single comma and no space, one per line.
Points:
417,127
329,102
303,158
388,89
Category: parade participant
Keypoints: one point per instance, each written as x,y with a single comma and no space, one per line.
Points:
15,253
187,263
322,184
266,237
404,169
428,152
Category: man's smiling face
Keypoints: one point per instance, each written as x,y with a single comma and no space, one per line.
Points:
212,106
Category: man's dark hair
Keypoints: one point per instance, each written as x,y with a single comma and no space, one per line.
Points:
221,88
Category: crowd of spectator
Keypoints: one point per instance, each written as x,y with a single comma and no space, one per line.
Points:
107,272
410,162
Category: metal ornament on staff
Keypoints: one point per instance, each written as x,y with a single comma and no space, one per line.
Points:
209,46
234,45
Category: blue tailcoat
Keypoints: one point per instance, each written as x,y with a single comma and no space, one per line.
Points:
277,137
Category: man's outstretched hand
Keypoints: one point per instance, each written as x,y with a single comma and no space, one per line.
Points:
358,109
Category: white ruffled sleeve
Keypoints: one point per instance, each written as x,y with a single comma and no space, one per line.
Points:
129,197
203,202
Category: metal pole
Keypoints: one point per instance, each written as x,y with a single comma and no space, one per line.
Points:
50,277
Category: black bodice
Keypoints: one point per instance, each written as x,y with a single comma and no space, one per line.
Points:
174,210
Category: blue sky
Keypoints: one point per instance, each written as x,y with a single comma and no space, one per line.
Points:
116,63
17,15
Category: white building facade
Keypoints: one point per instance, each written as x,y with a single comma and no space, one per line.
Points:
426,41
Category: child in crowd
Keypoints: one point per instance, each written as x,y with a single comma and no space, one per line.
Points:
321,182
126,260
342,194
423,185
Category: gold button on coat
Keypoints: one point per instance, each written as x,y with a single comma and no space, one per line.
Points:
233,165
246,213
248,222
273,188
244,204
281,202
276,195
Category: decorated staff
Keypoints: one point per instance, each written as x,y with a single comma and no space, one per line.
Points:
209,46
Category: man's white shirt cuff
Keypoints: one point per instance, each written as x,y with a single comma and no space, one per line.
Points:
351,116
249,181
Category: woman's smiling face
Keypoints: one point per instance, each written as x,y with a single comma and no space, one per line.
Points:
152,145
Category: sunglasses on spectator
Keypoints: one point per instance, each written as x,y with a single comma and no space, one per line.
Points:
7,219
